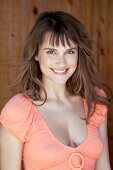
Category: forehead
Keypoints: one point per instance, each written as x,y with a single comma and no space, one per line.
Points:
50,39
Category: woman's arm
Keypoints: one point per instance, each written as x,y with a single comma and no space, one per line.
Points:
103,163
10,151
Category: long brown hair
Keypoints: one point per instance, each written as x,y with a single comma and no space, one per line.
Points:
85,81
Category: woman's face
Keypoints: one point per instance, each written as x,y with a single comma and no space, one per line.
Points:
57,63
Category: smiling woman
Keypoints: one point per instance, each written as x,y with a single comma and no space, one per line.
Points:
60,116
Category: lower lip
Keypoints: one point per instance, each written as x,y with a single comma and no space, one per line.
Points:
63,73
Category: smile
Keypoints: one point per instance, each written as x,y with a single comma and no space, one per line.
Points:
59,71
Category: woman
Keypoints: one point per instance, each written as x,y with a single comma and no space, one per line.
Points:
59,120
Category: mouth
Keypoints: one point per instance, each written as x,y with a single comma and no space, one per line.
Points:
59,71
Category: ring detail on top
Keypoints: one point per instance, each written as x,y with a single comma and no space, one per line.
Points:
76,161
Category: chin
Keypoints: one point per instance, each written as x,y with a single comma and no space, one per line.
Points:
60,82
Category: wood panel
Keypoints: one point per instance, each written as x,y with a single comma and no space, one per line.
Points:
17,18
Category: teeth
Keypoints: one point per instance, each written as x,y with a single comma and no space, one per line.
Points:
59,71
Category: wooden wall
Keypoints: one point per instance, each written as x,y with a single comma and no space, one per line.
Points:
17,18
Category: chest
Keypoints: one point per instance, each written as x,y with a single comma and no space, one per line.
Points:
58,133
65,122
44,150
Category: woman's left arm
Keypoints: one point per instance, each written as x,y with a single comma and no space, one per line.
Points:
103,162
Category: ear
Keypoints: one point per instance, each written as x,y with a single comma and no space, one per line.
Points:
36,58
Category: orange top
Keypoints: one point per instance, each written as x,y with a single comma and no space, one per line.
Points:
42,151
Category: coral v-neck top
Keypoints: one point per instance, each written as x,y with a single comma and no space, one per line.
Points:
42,151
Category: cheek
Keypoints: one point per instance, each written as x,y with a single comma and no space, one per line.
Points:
74,61
44,62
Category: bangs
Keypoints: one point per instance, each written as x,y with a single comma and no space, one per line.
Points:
56,38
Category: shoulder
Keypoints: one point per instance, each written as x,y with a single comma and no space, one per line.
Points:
18,99
99,115
18,103
18,115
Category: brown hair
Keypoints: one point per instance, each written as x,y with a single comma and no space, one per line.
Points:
85,81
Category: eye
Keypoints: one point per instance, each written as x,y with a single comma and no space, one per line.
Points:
50,52
70,51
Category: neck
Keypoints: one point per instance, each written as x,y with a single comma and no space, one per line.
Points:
56,92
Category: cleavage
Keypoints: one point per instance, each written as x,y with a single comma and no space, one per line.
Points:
67,128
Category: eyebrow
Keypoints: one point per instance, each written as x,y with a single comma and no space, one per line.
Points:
50,48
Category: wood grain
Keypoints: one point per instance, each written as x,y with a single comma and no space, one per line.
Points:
17,19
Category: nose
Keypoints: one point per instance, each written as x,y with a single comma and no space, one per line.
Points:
61,60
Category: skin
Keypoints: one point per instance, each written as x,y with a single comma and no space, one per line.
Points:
57,58
103,162
57,64
10,151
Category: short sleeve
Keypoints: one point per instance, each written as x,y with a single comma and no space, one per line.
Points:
99,115
17,116
100,112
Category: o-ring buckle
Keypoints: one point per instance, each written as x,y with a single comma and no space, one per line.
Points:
78,161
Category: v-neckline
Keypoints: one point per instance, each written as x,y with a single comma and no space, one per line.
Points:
54,137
